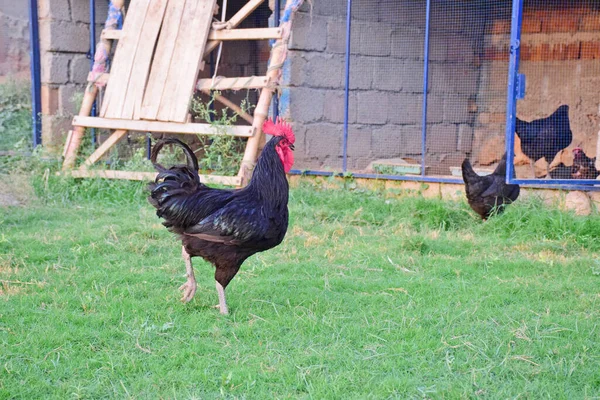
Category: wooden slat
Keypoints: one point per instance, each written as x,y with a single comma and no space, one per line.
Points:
147,176
162,60
228,103
158,126
123,60
105,146
237,19
245,82
187,55
220,35
111,34
143,58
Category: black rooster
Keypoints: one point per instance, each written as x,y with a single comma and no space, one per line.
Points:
225,227
488,193
545,137
583,166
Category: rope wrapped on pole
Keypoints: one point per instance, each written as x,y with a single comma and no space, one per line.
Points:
113,20
278,56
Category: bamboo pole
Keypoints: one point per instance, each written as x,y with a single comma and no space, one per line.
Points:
228,103
76,135
261,112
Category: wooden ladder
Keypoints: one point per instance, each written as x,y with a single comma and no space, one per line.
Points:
153,77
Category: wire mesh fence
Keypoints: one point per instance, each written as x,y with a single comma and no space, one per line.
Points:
460,51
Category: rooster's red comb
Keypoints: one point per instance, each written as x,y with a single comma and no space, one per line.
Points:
279,128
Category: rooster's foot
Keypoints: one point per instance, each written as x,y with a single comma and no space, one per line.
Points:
189,289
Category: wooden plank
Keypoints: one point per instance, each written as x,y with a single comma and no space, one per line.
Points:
245,34
187,71
223,100
158,126
104,147
162,60
123,60
111,34
148,176
220,35
246,82
142,60
237,19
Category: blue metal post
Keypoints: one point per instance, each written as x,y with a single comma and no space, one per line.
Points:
36,80
347,87
93,55
511,96
425,85
276,18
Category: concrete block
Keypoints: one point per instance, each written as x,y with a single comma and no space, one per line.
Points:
297,64
355,36
80,11
307,104
442,138
309,33
324,140
359,140
15,9
55,68
453,78
405,108
376,40
362,69
435,109
59,10
395,140
324,70
67,101
64,36
300,144
456,110
438,47
372,107
335,8
412,76
336,36
365,10
408,43
334,106
49,96
79,69
465,138
388,74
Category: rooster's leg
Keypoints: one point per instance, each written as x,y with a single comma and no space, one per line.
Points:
189,287
222,303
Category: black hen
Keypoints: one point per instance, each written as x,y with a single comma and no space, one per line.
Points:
545,137
225,227
486,193
583,166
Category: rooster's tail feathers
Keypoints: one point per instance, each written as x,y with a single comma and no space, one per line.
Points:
192,161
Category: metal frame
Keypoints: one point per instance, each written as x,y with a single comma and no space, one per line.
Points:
514,90
36,80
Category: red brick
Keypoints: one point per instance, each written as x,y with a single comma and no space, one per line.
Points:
590,22
495,54
531,23
501,26
590,50
573,51
49,97
560,21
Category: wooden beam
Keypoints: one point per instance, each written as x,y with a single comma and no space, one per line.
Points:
245,82
111,34
237,19
228,103
220,35
147,176
104,147
158,126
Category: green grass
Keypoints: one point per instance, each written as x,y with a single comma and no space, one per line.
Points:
15,116
368,297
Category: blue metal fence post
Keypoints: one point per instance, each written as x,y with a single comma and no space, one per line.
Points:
347,88
36,80
276,18
425,85
511,96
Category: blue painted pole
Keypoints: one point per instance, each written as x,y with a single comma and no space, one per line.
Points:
511,95
36,80
425,85
347,88
92,55
276,18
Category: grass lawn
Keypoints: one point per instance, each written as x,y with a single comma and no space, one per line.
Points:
368,297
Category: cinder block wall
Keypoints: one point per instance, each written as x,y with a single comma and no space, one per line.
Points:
64,45
385,113
14,39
